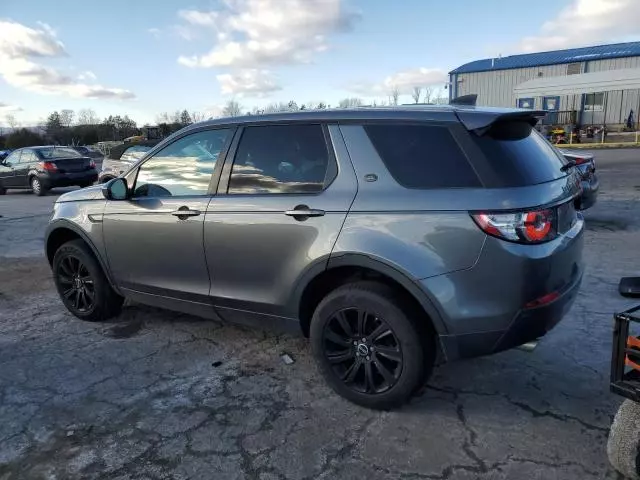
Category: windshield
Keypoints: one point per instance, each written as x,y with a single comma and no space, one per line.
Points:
57,152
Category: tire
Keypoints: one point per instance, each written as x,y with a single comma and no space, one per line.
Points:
623,447
85,185
75,268
3,191
37,188
347,345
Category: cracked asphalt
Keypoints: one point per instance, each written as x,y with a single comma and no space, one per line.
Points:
157,395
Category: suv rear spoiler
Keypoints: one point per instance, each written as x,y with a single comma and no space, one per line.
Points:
480,121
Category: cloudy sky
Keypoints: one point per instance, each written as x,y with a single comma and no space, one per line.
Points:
142,58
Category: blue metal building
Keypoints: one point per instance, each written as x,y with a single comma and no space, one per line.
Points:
496,81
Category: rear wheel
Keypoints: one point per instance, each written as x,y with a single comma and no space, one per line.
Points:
37,187
82,285
367,346
3,190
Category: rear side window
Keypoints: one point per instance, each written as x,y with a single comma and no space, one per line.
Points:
422,156
519,155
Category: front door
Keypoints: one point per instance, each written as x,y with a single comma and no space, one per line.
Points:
280,206
8,170
154,240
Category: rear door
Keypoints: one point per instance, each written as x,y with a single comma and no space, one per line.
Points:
28,161
7,169
281,203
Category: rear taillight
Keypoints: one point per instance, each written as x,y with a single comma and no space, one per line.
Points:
535,226
92,164
48,166
580,161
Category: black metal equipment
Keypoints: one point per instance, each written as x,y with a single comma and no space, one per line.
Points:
625,357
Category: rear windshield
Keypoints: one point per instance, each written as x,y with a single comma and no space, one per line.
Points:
519,155
57,152
134,153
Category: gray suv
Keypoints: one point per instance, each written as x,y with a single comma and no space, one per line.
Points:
393,238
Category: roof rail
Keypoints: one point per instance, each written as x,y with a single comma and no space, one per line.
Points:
465,100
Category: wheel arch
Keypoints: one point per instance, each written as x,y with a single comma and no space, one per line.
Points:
325,277
63,231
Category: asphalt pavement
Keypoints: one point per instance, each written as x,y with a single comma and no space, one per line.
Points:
162,395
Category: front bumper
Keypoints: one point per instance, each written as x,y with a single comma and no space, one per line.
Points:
57,179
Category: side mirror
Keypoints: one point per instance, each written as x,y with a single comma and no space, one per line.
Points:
116,189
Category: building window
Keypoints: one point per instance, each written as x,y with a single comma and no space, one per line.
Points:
526,103
574,68
594,102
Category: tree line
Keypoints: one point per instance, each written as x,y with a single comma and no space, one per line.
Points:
67,127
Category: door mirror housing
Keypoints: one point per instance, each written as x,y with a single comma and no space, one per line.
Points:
116,189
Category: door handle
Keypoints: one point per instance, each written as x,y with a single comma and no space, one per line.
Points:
185,212
302,212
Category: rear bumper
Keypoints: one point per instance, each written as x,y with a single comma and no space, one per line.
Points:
527,325
589,195
485,308
53,180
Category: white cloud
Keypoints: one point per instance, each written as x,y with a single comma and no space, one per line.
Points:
248,83
404,81
587,21
6,108
251,33
154,31
88,75
20,45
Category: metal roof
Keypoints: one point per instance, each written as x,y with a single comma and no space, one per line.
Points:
584,54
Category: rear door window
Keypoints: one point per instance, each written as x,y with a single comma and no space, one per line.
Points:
422,156
519,155
279,159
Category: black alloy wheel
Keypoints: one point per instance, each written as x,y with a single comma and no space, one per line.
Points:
369,345
78,286
82,284
363,350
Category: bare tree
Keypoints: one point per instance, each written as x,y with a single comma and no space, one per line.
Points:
66,117
416,94
11,121
394,96
428,92
350,102
197,116
232,109
437,96
163,117
87,116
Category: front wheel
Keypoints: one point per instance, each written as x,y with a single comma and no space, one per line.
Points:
82,285
37,187
368,347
